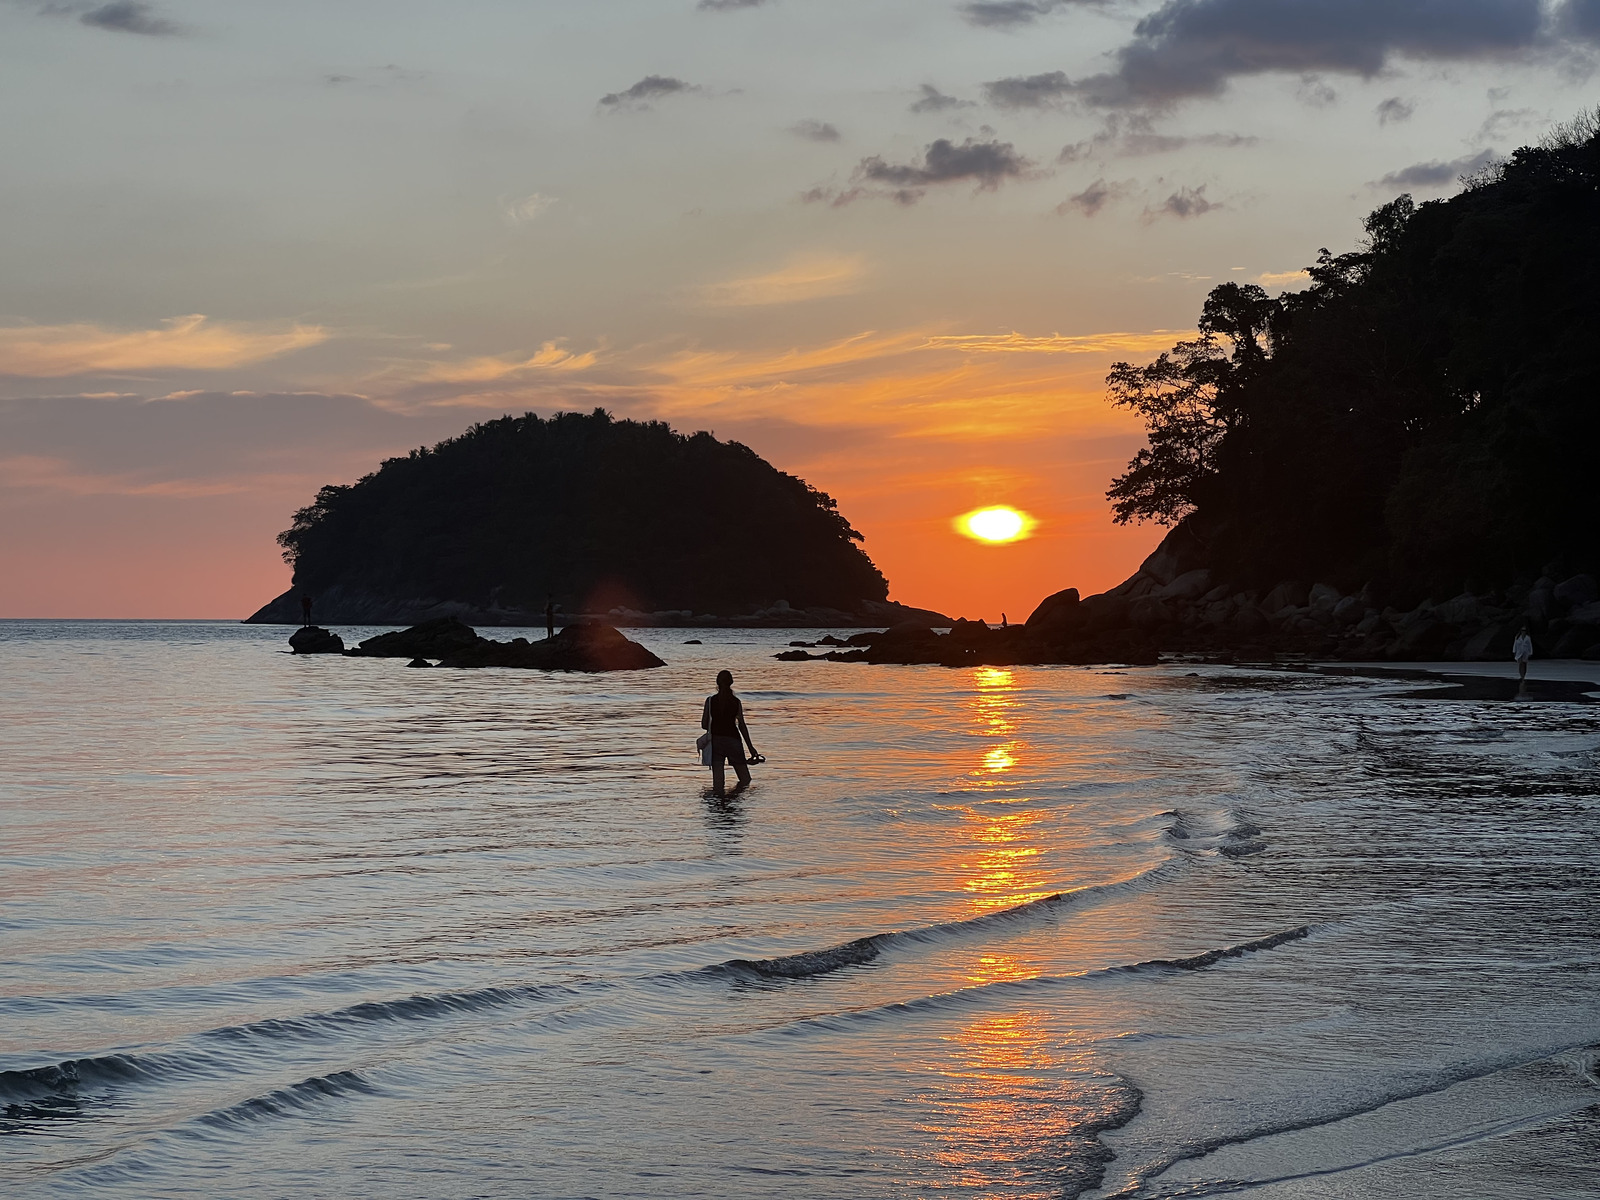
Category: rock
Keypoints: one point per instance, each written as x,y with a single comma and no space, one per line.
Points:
1575,641
1592,654
797,656
419,662
313,639
1289,594
439,638
1586,614
1052,608
1182,550
694,642
807,645
829,640
1349,611
1149,613
575,648
1220,592
1191,585
1492,643
1579,590
1324,595
1249,621
1462,611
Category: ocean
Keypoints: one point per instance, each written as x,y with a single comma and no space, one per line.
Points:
309,926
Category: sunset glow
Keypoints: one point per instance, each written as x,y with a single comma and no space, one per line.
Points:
995,525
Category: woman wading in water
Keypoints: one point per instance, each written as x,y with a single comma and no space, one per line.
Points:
723,719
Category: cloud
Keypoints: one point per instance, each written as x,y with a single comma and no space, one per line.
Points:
1135,134
1055,343
1008,14
1193,48
1437,174
522,210
987,162
131,16
1580,18
1093,198
933,100
804,278
651,87
1394,110
1029,91
1506,121
1314,93
815,131
1283,278
1183,203
182,343
551,357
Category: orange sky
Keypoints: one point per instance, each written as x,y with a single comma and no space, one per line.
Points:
892,245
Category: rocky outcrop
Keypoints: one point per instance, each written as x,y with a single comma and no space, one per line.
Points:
439,638
575,648
343,605
313,639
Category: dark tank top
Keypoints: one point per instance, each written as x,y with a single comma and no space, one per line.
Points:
722,710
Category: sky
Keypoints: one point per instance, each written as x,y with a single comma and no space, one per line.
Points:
891,245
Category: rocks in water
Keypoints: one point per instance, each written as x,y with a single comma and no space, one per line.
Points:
575,648
432,639
694,642
419,662
1054,611
313,639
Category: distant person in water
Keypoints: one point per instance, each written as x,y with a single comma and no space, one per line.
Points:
1522,651
305,610
550,617
723,719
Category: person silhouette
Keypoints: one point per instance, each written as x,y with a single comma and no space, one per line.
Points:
1522,651
550,617
305,611
723,718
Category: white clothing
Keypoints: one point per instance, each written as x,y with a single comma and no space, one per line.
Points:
1522,648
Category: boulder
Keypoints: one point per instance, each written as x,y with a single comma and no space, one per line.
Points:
1579,590
1575,641
1052,608
1150,613
576,648
1180,551
1249,621
1492,643
419,662
313,639
1324,595
1586,614
1191,585
1463,611
1349,611
439,638
1289,594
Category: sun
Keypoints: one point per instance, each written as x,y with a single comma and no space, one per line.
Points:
995,525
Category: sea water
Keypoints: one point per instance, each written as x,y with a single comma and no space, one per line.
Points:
313,926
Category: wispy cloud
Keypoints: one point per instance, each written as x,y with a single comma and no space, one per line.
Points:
1055,343
131,16
523,209
1394,110
1437,174
651,87
808,277
1093,198
933,100
182,343
551,357
1184,203
1048,90
815,131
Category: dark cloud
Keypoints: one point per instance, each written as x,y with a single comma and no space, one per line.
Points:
1183,203
986,162
651,87
1093,198
1029,91
1580,18
1506,121
1134,135
131,16
1394,110
1192,48
728,5
933,100
1008,14
1316,93
1437,174
816,131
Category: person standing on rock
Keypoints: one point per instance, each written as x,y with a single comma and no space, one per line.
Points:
550,617
305,611
1522,651
723,719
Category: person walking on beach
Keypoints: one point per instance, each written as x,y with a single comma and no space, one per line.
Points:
1522,651
723,719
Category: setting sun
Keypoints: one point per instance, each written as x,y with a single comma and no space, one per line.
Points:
995,525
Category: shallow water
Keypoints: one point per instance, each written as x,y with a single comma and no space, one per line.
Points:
285,926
